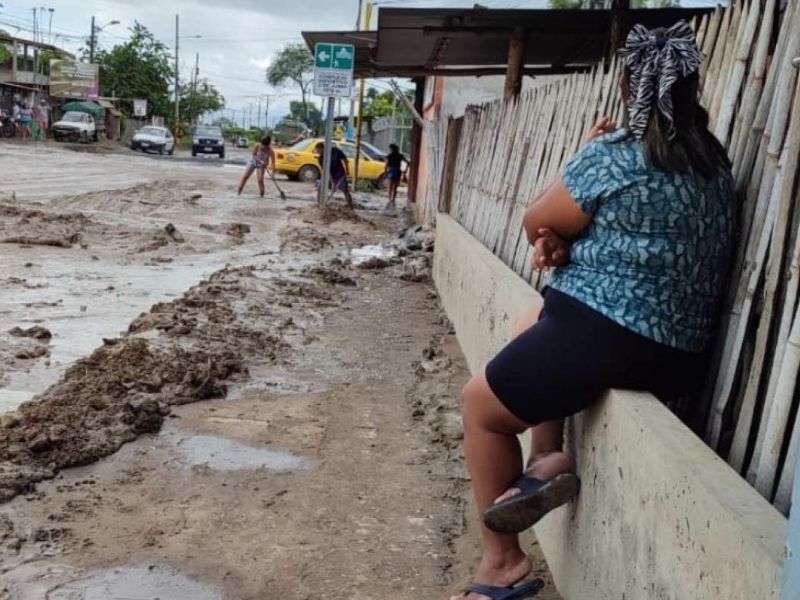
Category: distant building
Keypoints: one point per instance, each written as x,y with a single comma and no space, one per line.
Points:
25,67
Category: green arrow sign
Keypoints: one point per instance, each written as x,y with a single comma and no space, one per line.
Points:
343,55
323,56
338,57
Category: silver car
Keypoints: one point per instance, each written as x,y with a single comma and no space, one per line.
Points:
153,139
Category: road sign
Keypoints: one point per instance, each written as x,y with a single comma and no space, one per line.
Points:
333,70
140,108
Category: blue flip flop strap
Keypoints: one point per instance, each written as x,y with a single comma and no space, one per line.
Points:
528,484
524,590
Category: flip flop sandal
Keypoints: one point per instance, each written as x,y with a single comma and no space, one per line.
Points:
523,590
535,500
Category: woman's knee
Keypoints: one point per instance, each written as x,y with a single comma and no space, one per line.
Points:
480,408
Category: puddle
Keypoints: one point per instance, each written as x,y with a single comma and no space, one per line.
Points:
224,454
135,583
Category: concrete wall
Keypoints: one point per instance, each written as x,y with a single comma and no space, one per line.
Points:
460,92
660,516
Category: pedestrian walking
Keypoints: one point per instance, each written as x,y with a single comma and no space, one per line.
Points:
43,119
262,159
25,121
640,229
394,171
339,171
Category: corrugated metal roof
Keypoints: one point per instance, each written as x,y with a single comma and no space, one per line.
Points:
413,42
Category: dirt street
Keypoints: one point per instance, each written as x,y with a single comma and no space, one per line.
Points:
206,397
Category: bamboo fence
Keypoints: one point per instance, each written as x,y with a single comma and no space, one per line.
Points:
508,152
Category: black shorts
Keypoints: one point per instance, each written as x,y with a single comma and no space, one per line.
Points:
563,363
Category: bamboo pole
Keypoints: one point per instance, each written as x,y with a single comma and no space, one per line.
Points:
754,87
734,32
711,75
780,406
782,197
738,69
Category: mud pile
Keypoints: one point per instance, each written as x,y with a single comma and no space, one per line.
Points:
303,239
35,227
179,352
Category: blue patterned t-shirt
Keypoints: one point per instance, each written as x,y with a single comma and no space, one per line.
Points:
656,253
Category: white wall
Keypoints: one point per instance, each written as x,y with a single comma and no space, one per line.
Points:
460,92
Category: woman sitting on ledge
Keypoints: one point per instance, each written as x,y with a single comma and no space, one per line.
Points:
640,229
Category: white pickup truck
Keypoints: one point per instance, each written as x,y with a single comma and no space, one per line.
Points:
75,127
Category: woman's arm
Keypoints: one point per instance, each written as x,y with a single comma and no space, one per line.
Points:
556,210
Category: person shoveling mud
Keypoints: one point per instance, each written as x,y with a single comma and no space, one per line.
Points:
262,159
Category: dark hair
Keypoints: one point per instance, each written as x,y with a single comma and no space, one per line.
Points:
266,141
394,148
694,147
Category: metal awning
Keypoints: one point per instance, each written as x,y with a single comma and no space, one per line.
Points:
418,42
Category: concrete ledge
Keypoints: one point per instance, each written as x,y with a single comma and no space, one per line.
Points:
660,515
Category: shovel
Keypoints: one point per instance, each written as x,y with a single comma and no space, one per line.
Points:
280,191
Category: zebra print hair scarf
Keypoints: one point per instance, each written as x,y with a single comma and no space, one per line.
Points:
655,60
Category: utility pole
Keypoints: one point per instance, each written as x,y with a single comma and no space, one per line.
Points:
259,115
266,115
251,117
91,43
367,20
177,80
50,26
353,100
194,85
34,25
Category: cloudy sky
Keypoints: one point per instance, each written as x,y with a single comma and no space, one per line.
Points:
239,37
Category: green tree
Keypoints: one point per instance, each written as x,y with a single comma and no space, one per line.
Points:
199,99
138,68
308,114
565,4
385,104
293,64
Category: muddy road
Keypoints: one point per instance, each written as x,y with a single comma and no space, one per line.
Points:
203,397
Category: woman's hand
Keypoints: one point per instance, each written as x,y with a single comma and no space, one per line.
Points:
603,126
549,250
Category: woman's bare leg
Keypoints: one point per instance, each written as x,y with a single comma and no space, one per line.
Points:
494,460
245,176
260,178
547,458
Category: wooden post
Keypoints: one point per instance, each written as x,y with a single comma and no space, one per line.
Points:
619,25
416,141
516,62
450,159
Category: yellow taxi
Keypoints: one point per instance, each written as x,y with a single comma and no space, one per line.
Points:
299,162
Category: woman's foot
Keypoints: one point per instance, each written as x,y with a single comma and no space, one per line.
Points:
502,571
544,467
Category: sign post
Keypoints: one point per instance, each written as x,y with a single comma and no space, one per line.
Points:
333,78
140,107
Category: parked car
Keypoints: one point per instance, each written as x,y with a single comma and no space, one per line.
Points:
75,127
373,152
153,139
208,140
300,162
241,142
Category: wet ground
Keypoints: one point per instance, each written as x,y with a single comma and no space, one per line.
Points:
205,398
